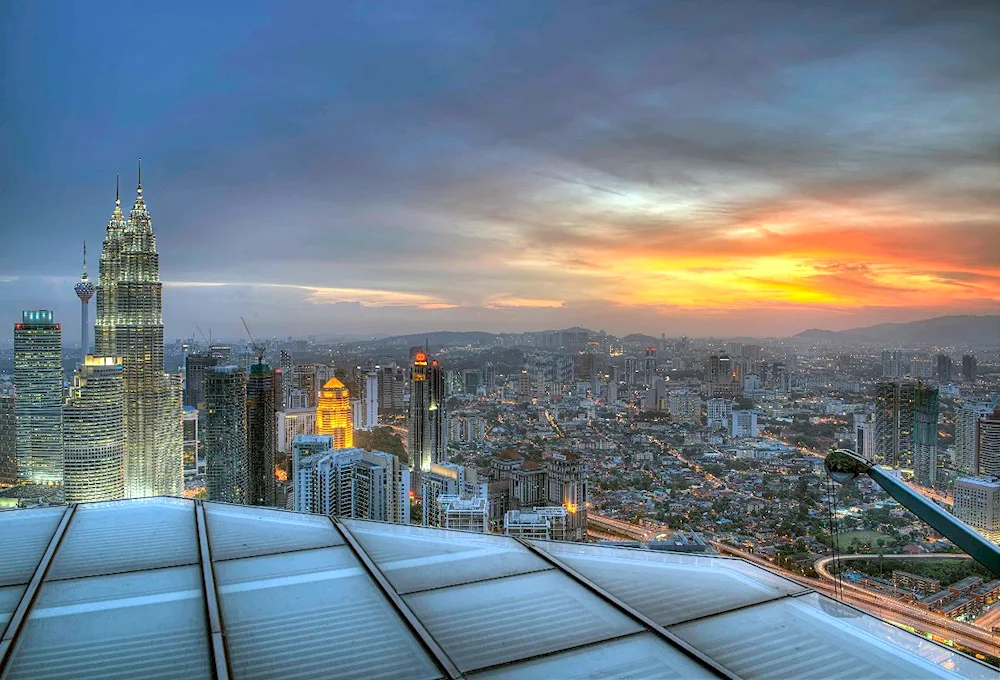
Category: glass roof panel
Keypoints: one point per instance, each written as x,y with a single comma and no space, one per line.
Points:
10,596
24,535
313,613
815,636
236,531
119,536
414,558
672,587
148,624
483,624
637,656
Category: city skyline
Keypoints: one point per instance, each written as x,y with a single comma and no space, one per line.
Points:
383,170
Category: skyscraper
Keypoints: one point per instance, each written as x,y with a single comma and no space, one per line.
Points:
894,421
371,400
84,290
418,419
38,394
436,412
988,444
649,365
943,371
263,390
195,366
925,434
352,483
333,414
966,452
892,363
8,441
977,503
226,465
94,433
130,325
969,365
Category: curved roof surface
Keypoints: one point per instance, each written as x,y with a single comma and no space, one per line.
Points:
167,588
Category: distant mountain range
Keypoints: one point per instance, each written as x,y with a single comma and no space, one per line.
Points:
979,331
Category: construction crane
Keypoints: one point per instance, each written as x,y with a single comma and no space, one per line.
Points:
843,465
258,348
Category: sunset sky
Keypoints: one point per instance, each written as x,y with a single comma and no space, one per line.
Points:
702,167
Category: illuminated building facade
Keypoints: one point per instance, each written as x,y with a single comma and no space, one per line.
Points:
94,432
333,414
427,427
263,391
894,418
226,469
38,395
130,325
925,434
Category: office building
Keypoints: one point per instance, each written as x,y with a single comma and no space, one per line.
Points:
969,367
195,366
226,464
352,483
371,401
541,523
925,434
977,503
722,378
38,395
988,443
333,414
559,480
464,514
426,421
8,441
94,432
263,393
130,326
894,421
84,289
744,424
965,456
864,438
310,378
446,480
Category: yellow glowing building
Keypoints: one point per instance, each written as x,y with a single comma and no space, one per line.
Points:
333,414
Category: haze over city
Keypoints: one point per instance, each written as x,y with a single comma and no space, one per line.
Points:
724,168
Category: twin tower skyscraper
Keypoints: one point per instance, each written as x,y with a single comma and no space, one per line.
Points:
129,325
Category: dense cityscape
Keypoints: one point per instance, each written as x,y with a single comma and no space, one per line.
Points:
681,444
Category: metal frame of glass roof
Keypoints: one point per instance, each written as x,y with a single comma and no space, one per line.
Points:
167,587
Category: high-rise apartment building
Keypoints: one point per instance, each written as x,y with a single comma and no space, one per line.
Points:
371,485
333,414
892,363
130,326
38,395
744,424
226,463
988,443
371,400
969,367
263,393
649,366
94,432
446,480
864,438
965,457
894,422
977,503
8,441
718,412
944,367
293,423
84,289
925,434
684,406
629,371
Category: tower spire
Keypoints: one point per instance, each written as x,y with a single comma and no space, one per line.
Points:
84,276
139,188
118,200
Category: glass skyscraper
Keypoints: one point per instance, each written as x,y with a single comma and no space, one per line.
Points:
130,326
226,473
38,394
93,432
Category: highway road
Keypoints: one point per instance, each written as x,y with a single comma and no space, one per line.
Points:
894,611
